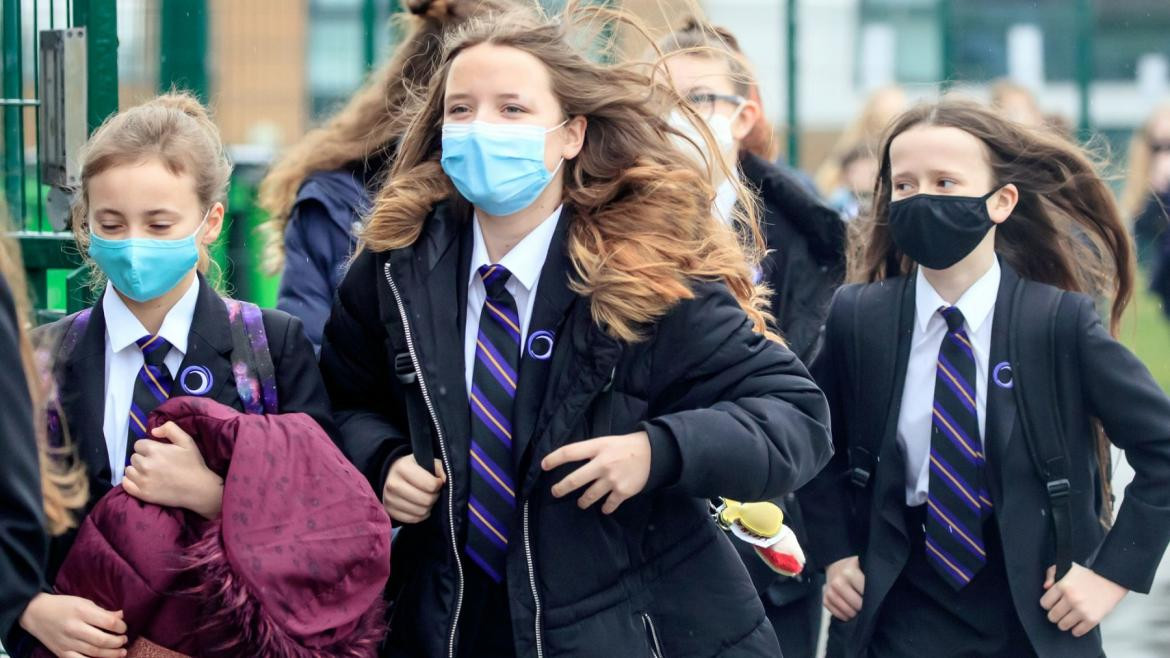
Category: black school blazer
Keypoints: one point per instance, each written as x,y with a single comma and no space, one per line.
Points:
23,543
1114,387
728,413
81,381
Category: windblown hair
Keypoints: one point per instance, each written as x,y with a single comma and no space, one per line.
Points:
1065,231
643,228
1137,188
369,126
694,38
175,129
63,480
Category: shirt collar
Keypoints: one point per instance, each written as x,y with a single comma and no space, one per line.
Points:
123,328
976,304
725,198
526,259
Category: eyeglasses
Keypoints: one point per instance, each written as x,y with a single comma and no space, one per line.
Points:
704,104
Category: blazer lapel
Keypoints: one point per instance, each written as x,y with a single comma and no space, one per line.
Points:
890,482
206,370
1001,402
553,300
82,397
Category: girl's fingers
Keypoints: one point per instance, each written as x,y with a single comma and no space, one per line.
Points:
418,478
577,479
856,580
408,493
1070,620
1050,577
402,508
1059,611
613,502
849,596
91,639
1082,628
593,494
102,619
574,452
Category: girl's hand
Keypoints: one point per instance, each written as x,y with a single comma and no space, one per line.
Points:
617,465
844,587
1080,600
173,474
74,627
410,492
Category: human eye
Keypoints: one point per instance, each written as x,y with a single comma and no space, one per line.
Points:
456,110
903,186
946,184
514,109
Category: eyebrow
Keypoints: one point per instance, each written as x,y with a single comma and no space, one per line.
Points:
459,97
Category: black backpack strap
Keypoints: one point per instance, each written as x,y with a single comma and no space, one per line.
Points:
1038,317
875,325
417,417
53,351
252,358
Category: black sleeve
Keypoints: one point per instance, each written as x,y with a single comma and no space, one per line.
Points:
314,247
825,501
23,543
298,380
1135,413
734,414
368,406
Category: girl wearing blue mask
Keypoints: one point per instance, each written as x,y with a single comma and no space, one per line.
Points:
153,183
549,354
966,510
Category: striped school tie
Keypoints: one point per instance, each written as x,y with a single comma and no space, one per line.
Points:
493,390
151,388
958,501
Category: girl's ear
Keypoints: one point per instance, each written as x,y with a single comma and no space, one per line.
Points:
214,224
749,114
574,132
1002,203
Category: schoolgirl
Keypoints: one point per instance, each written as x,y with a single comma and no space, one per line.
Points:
964,511
318,193
547,356
151,202
805,262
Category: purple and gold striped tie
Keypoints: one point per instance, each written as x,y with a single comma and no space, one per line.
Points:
493,390
958,502
151,388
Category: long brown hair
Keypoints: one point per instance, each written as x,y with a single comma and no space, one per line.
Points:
1065,230
63,481
643,226
373,120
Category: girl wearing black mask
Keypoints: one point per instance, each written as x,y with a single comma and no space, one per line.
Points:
969,376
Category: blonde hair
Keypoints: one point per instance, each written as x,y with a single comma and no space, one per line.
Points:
175,129
643,227
63,480
866,129
368,126
1137,181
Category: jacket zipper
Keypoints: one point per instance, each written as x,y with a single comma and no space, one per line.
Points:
422,384
656,646
532,583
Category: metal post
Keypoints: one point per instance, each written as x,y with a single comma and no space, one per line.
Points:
792,124
13,114
1085,28
183,47
369,32
946,44
100,19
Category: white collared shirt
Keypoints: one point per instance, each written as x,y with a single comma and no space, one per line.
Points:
124,361
915,417
524,261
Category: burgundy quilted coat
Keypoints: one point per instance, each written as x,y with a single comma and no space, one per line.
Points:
295,566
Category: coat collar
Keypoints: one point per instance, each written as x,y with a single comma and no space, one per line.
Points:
890,478
1001,401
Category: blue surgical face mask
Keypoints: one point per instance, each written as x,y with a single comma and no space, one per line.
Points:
142,268
499,168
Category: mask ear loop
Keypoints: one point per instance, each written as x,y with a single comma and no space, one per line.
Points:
557,127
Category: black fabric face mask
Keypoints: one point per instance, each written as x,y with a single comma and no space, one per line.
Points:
939,230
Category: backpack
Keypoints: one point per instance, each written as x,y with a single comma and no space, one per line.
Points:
1032,348
251,361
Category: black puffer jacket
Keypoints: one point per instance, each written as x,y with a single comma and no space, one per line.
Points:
728,413
806,262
